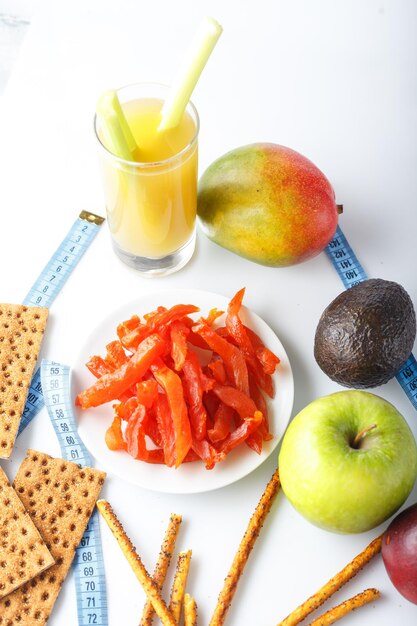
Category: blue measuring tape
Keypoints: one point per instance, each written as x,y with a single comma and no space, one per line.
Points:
351,273
50,282
90,582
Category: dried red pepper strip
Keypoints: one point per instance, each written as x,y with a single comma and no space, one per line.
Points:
140,331
216,366
242,336
179,333
166,428
114,435
207,382
152,429
155,456
127,326
98,366
165,318
223,332
135,433
152,314
259,400
239,401
171,383
223,423
125,409
213,315
156,321
206,452
191,457
146,392
261,361
193,338
235,326
268,360
265,356
241,433
115,356
234,360
193,392
246,409
112,385
264,381
211,403
254,440
132,339
238,331
135,437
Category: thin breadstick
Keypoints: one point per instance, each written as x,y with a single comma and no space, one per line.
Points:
244,550
339,611
190,611
134,560
178,585
162,564
334,584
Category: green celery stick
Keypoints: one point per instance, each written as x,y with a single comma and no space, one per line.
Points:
117,136
199,53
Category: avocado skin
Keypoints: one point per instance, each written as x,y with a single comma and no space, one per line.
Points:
366,334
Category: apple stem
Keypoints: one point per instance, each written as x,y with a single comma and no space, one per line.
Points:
362,434
339,208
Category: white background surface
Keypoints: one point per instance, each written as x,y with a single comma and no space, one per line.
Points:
14,20
334,80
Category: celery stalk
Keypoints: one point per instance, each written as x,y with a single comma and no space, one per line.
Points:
117,136
199,53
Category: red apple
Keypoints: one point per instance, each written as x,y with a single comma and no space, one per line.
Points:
399,552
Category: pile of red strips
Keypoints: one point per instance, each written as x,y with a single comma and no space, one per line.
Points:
165,396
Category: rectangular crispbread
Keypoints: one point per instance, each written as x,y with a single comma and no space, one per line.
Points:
23,553
21,332
60,498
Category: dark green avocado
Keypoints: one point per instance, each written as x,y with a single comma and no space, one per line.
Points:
366,334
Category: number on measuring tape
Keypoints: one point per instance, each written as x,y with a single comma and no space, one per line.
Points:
58,269
407,377
90,583
344,260
351,273
50,282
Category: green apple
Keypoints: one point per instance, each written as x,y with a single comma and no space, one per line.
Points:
348,461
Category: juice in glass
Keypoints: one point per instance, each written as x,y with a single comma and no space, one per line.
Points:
151,204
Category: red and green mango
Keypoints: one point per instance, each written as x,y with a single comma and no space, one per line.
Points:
268,204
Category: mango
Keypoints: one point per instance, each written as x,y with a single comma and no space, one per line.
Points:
268,204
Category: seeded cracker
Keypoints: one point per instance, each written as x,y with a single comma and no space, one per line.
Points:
21,332
60,497
23,553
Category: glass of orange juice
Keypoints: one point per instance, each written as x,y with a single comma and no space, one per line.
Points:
151,202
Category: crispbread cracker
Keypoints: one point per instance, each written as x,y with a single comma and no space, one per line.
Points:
23,553
21,332
60,497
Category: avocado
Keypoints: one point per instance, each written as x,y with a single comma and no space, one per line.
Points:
366,334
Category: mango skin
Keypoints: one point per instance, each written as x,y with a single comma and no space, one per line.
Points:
267,203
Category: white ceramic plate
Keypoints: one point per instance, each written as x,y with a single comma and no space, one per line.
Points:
189,477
